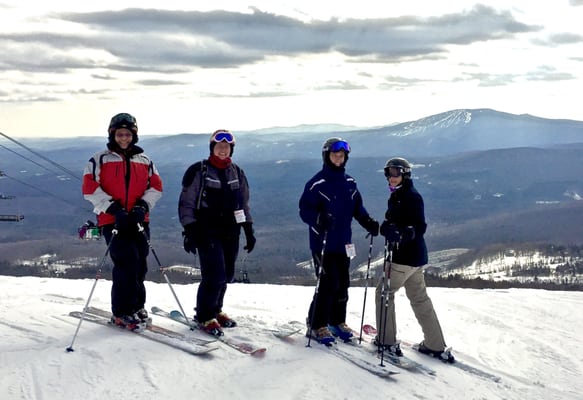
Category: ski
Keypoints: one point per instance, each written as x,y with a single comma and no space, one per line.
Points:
373,368
240,345
357,360
371,330
175,341
283,332
155,328
461,365
401,362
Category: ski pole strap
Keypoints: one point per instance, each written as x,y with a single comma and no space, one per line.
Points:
203,173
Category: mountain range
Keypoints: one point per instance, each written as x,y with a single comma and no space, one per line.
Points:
486,177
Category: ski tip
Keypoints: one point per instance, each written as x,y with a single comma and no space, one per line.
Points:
156,309
259,352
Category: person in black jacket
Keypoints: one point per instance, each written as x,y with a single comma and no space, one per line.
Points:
403,229
213,207
328,204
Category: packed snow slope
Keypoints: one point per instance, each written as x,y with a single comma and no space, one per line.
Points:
531,339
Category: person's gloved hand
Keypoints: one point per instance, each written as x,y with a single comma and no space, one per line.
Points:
324,222
408,233
189,238
121,216
372,226
249,236
390,232
139,211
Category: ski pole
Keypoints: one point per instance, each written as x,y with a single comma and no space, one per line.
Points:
365,288
317,288
385,296
97,276
162,270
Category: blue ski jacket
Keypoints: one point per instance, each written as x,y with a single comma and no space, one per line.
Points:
334,193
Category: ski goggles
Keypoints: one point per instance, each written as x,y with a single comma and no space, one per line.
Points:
394,172
223,136
123,119
340,145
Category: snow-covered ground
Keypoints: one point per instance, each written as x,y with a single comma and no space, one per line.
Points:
522,267
530,338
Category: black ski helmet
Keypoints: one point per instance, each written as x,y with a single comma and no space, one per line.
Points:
123,120
335,144
400,163
222,135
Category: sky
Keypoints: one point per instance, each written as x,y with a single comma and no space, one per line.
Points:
529,338
193,67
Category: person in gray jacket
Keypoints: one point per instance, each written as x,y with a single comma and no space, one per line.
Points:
403,228
213,206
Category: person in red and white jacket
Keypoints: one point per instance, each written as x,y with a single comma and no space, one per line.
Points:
123,185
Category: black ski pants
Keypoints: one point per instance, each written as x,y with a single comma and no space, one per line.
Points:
328,306
128,251
217,257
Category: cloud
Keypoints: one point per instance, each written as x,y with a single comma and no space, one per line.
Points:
176,41
564,38
489,80
576,2
548,73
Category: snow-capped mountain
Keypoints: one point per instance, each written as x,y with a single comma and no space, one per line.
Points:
487,177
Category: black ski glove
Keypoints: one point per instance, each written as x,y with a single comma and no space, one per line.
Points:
114,208
189,238
408,233
372,226
390,232
324,222
139,211
248,229
121,216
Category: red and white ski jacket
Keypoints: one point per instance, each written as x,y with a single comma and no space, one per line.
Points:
110,176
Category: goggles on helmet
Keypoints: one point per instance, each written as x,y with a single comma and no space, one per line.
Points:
340,145
223,136
123,119
394,172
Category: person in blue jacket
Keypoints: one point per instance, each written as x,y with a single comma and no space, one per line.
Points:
328,204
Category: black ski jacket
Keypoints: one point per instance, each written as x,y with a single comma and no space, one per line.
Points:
406,208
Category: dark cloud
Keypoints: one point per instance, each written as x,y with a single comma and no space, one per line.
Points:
175,42
229,39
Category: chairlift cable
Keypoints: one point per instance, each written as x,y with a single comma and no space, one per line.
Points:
27,159
43,157
47,193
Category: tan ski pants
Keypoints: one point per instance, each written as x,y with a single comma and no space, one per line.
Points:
414,282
